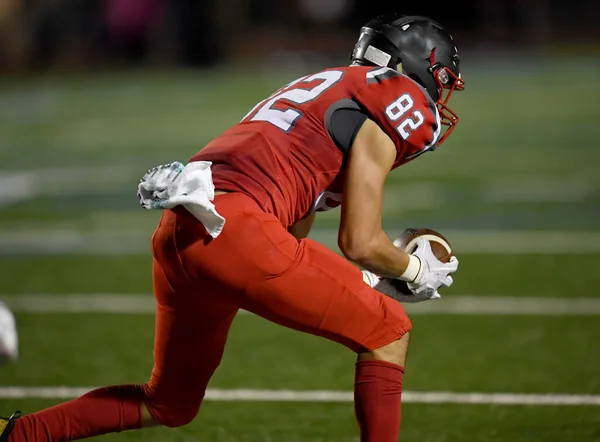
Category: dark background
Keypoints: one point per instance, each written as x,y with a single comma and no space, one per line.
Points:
79,34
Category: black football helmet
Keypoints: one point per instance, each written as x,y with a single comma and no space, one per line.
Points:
420,48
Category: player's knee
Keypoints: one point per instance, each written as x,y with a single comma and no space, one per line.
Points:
168,409
179,417
174,416
395,352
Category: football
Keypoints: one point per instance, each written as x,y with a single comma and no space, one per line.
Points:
439,245
407,241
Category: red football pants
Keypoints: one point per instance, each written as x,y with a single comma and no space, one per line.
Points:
255,264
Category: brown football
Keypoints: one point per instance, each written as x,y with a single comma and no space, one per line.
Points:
407,241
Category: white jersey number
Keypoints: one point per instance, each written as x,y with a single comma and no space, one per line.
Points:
398,109
285,119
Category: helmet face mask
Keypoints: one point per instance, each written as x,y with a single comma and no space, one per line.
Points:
419,48
446,83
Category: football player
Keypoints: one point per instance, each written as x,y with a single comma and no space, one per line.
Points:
324,140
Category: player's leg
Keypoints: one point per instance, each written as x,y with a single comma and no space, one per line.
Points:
190,335
304,286
188,347
378,391
324,295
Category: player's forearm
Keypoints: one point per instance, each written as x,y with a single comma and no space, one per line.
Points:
380,256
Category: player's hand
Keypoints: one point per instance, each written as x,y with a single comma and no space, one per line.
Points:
434,273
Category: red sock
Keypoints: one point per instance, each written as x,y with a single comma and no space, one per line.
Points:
377,392
105,410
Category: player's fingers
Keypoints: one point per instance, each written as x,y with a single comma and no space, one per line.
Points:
426,290
430,294
423,246
444,268
452,265
447,281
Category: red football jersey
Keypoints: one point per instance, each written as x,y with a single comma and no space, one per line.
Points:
281,153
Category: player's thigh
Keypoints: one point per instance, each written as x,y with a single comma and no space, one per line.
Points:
298,284
191,329
324,294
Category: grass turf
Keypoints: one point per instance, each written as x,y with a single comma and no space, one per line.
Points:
510,164
529,354
293,422
502,275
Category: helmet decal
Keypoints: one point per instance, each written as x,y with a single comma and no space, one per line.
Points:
377,56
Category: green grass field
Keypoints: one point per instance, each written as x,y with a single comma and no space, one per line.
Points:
517,188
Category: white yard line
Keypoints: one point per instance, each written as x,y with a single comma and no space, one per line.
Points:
67,241
499,242
27,184
449,305
19,185
424,397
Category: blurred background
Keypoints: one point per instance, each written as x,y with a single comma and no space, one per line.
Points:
80,35
95,92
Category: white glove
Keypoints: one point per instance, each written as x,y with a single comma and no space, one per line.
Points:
433,274
153,187
390,287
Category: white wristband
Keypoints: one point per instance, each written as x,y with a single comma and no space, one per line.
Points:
414,270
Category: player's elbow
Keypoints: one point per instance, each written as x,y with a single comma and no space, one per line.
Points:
358,250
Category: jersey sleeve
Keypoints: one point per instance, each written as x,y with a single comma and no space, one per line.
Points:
403,110
343,126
